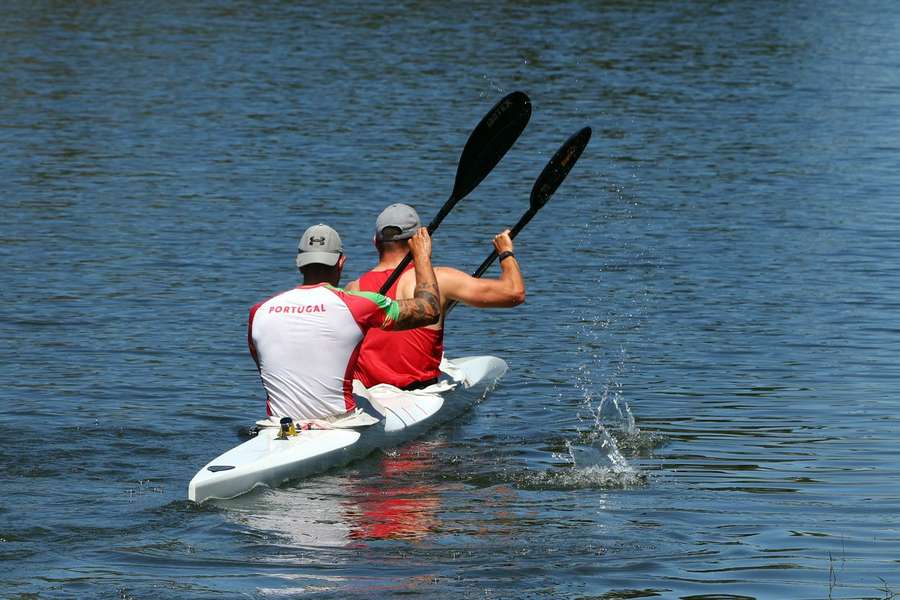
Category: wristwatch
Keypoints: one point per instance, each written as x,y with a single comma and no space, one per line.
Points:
506,254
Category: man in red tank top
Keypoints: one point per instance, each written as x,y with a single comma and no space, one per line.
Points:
410,359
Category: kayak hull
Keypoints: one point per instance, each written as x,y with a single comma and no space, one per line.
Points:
266,460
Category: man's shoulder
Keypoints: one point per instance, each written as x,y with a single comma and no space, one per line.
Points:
445,276
438,271
350,296
448,270
450,275
271,298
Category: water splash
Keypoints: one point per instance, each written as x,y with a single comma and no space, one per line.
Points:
613,414
595,455
589,477
613,407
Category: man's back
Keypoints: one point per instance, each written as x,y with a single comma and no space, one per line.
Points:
404,359
304,341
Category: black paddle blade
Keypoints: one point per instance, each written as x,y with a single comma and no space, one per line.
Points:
490,140
558,168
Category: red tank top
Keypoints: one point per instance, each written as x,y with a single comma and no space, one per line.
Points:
400,358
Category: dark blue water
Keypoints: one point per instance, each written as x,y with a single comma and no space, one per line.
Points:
704,382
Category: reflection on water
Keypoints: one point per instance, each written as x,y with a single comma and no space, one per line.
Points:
390,506
388,501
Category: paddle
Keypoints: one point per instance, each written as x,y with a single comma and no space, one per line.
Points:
489,141
544,186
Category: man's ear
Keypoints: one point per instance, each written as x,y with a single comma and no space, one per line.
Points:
341,262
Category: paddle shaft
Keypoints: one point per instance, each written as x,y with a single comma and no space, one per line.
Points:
529,214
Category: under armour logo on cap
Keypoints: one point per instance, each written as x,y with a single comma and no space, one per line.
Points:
319,244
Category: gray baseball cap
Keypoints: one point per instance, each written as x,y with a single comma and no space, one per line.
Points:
319,244
402,217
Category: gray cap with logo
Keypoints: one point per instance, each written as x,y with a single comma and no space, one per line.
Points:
320,244
401,222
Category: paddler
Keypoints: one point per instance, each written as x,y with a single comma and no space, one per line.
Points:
305,341
410,359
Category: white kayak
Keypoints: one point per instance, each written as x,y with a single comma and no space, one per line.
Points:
386,417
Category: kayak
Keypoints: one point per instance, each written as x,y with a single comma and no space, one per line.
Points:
385,416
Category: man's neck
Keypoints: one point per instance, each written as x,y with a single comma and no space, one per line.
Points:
389,260
316,280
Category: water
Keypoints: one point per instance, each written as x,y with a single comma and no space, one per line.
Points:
703,393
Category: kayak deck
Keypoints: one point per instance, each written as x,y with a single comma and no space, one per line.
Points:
267,460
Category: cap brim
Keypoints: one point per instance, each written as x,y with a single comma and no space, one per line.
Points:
319,258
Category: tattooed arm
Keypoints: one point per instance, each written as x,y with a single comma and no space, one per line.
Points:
424,308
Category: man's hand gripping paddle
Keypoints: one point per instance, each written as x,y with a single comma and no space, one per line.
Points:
547,182
488,142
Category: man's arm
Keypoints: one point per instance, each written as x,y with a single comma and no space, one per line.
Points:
424,308
508,290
